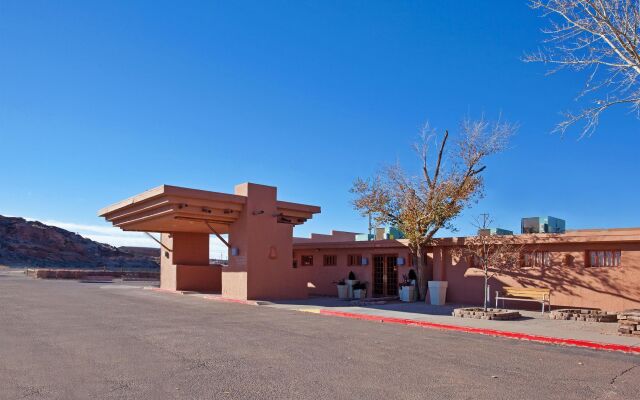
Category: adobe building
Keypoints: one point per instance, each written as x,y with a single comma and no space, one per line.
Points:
583,268
591,268
260,238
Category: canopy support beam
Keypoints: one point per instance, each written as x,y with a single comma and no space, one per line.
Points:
157,241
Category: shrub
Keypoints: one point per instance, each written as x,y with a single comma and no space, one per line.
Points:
360,286
412,275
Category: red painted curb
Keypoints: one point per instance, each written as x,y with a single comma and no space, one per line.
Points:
489,332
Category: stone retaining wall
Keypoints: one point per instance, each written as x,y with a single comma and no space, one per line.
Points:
46,273
581,314
629,323
490,314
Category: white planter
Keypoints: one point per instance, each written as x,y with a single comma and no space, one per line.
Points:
407,293
350,284
343,291
360,294
438,292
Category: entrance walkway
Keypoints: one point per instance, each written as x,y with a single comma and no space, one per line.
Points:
532,323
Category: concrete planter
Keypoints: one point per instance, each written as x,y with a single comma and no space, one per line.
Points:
407,293
360,294
350,284
343,291
438,292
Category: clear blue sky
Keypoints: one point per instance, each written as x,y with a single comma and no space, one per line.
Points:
102,100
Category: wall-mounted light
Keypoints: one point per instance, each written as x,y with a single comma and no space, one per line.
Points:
364,261
235,251
273,252
400,261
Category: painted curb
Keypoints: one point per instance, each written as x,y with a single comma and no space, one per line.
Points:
309,310
487,332
228,300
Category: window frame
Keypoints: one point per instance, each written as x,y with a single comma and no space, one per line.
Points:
604,258
308,257
329,260
354,260
536,259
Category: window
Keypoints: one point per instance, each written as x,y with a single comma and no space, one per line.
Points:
306,261
604,258
568,260
354,260
536,259
330,260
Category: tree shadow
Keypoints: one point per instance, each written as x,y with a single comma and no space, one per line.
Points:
567,275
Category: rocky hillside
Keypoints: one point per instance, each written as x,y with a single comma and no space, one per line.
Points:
33,244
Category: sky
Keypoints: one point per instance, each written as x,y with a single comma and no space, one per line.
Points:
102,100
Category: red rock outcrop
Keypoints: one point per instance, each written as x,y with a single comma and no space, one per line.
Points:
33,244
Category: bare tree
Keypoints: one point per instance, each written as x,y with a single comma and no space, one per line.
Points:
494,254
449,181
598,36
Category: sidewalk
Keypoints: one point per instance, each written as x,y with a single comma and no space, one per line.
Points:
532,325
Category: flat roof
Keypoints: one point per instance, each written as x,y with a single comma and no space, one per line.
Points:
612,235
169,208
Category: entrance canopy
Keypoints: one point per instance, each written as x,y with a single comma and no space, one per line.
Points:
177,209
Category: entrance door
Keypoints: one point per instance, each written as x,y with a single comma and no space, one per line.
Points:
385,275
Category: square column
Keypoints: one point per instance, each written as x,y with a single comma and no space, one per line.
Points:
186,265
263,265
441,258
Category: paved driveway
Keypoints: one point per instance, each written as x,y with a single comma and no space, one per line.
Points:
69,340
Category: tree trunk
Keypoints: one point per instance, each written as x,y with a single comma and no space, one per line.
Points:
486,285
420,269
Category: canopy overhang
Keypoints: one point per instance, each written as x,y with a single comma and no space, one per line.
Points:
176,209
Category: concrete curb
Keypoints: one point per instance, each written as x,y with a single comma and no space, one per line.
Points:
488,332
157,289
207,296
228,300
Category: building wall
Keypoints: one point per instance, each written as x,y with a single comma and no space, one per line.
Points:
572,282
322,279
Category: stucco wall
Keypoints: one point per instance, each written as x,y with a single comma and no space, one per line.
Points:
200,278
321,278
572,284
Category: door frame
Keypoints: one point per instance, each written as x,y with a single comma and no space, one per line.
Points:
385,259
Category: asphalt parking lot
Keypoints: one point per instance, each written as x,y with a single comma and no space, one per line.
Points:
71,340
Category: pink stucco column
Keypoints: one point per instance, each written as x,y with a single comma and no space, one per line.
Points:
262,266
184,263
440,259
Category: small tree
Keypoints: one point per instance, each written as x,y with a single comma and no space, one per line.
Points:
419,206
598,36
494,254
